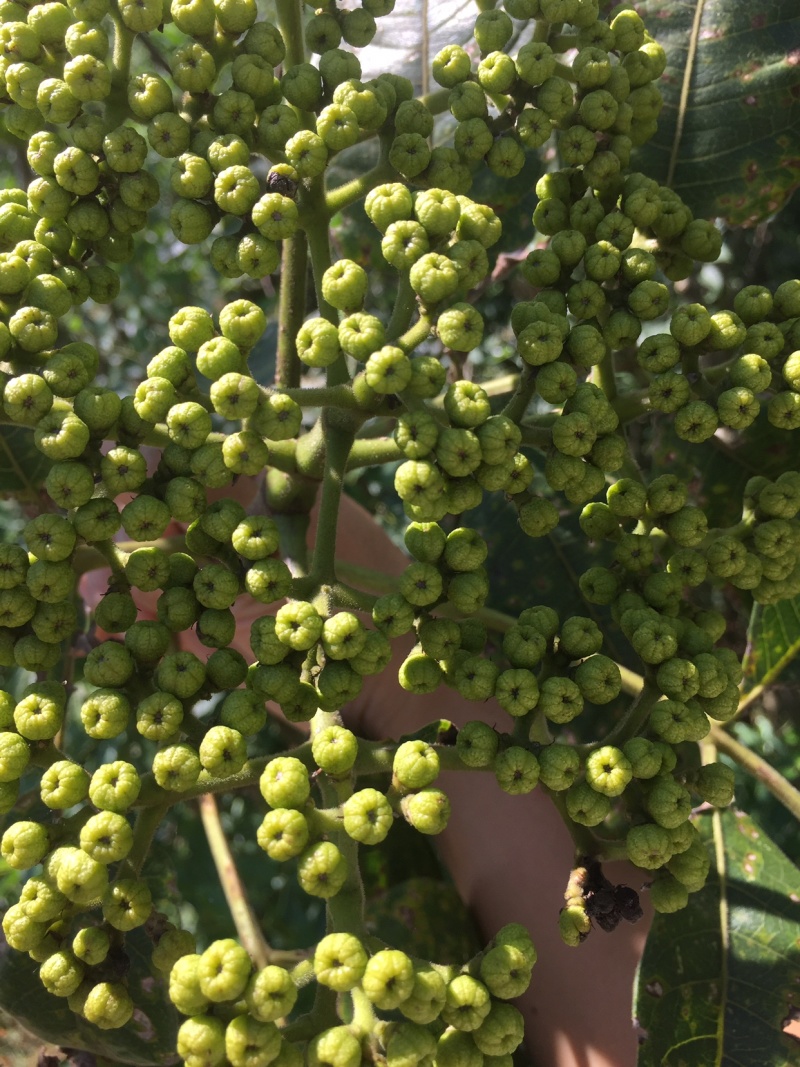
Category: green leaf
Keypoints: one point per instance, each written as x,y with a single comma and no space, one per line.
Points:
425,917
23,468
543,570
730,147
719,469
773,643
148,1040
718,980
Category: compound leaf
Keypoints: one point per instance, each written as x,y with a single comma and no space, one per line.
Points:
727,137
719,979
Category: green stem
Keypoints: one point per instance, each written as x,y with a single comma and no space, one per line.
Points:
782,790
364,1019
537,437
631,405
147,822
314,220
563,42
582,836
541,30
372,452
345,596
603,375
632,683
282,455
117,101
518,404
404,304
291,309
374,757
323,396
290,19
322,1015
247,926
419,332
690,361
114,557
437,102
290,23
634,718
338,441
344,195
502,385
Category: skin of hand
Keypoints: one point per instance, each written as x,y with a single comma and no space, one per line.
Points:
509,857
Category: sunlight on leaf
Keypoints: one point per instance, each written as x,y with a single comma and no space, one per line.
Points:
728,133
719,979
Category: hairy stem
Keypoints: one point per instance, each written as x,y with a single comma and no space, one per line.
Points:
634,718
291,309
518,404
419,332
405,302
374,757
604,377
371,452
582,837
147,822
351,192
338,442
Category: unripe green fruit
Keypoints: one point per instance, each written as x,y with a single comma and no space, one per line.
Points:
467,1003
691,866
107,837
335,749
223,970
127,904
714,783
648,846
668,895
24,844
91,945
505,971
516,770
585,805
336,1047
270,994
608,771
322,870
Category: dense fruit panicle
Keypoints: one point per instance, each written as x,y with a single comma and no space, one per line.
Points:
216,615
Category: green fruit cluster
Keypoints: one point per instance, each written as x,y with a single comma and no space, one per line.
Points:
250,128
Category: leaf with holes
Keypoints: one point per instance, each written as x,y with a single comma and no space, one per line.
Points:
23,468
719,979
727,137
